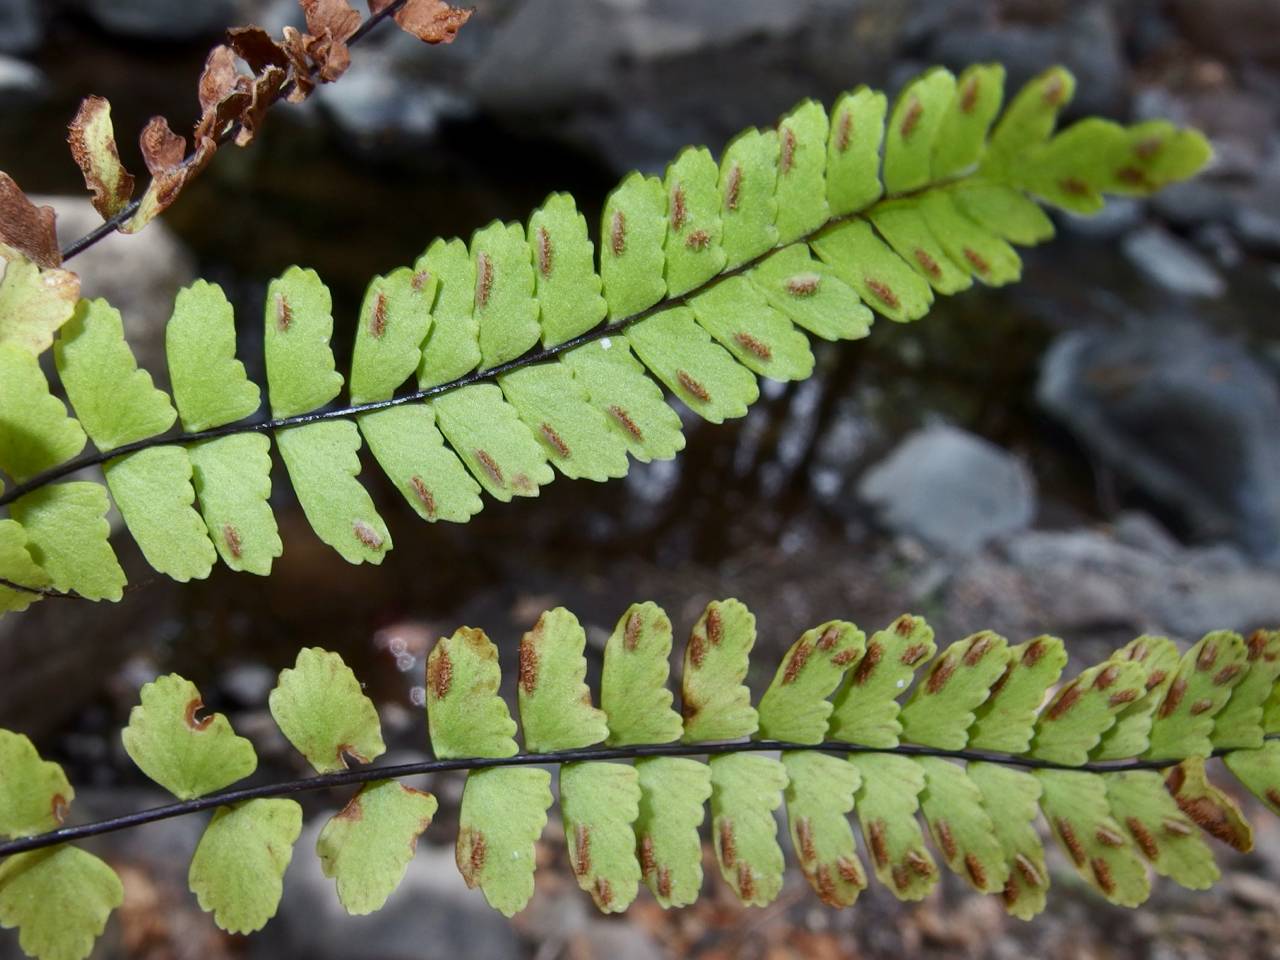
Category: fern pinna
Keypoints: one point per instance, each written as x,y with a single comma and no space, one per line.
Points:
522,356
979,738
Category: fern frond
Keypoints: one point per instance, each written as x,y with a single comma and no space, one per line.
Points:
529,351
635,790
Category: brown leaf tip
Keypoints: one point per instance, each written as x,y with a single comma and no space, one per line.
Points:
544,252
194,706
733,187
728,851
804,838
1146,841
977,261
1102,874
582,849
678,209
378,322
946,839
698,240
799,657
844,130
868,663
490,466
927,263
969,95
803,284
366,534
942,672
484,279
754,345
231,537
554,440
439,672
977,872
59,807
788,155
631,633
878,842
911,118
1067,833
618,233
692,386
424,495
715,625
883,292
627,423
528,678
648,858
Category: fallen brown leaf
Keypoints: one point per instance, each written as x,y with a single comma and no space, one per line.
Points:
162,149
432,21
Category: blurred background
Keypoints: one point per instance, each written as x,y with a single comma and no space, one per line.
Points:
1094,452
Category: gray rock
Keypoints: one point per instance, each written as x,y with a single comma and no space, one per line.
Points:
1170,263
247,684
951,489
431,913
1189,417
19,77
139,274
21,28
163,19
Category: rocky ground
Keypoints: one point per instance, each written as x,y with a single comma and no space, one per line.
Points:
1094,453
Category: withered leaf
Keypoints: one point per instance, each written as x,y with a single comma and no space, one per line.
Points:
266,87
336,16
168,183
294,45
256,48
223,92
93,146
432,21
162,149
26,227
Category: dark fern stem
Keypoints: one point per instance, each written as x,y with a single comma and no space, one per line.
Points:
366,774
114,222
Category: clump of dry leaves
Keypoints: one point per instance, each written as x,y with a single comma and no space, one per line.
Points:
233,104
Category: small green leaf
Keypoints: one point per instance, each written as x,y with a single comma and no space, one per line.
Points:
322,709
1208,673
503,813
1130,736
693,251
465,714
795,706
232,477
17,566
866,708
979,92
715,703
555,702
1166,837
903,224
395,318
34,303
880,277
1259,770
1075,805
1011,797
1027,121
368,845
35,431
600,803
505,311
632,261
1213,810
633,683
115,401
453,346
748,208
67,533
187,754
489,437
745,790
323,462
673,792
802,159
1004,211
739,316
974,249
886,806
556,408
918,115
853,150
238,868
1073,722
1239,723
299,323
567,285
1006,720
633,405
819,795
155,495
681,354
59,898
962,829
411,451
941,709
210,387
811,295
34,793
